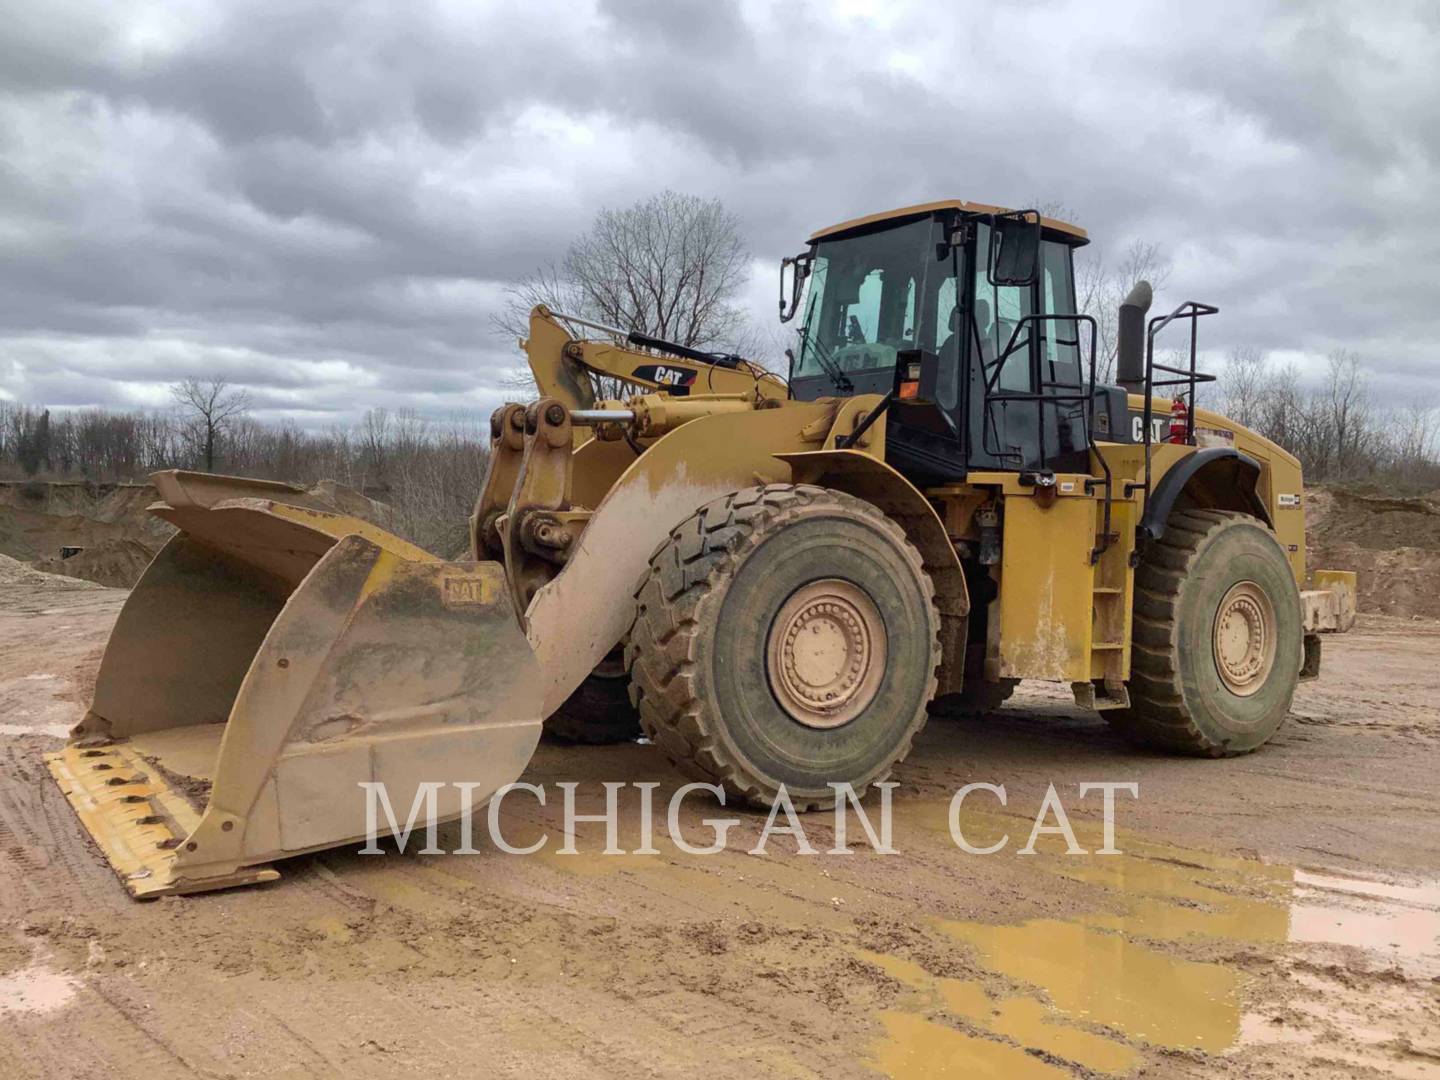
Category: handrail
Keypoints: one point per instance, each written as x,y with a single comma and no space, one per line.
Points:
1192,310
1085,395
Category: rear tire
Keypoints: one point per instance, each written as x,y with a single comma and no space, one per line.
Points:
1217,641
599,712
785,635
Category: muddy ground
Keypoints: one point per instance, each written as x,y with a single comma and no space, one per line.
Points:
1275,915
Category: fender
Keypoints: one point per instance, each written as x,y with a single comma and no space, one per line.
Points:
868,478
1226,476
586,609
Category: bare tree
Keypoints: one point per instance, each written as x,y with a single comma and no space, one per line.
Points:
211,407
1102,280
669,266
1415,434
1243,385
1101,283
374,439
519,382
1344,420
549,285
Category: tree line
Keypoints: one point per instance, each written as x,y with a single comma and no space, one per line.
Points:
1334,425
430,469
427,470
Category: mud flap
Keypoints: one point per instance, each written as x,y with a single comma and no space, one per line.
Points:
1310,664
272,660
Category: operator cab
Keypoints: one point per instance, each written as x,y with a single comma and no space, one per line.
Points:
965,314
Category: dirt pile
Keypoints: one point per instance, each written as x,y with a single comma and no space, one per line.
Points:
38,518
346,500
110,525
1393,543
15,573
116,563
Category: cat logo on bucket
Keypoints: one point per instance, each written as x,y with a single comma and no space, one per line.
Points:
464,591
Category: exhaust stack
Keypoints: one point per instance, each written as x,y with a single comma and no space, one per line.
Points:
1130,338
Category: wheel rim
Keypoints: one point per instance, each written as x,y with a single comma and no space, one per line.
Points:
612,667
1244,638
825,655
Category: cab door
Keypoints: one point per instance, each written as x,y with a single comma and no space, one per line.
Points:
1016,363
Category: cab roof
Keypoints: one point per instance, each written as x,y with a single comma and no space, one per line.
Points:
1073,233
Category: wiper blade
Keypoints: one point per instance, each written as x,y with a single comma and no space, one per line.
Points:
838,378
837,375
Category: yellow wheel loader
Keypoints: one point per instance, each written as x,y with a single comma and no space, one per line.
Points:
786,575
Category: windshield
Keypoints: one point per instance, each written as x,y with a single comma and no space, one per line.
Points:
867,299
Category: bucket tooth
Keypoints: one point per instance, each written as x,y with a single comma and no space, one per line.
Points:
135,816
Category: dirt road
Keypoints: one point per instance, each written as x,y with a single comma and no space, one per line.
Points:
1275,915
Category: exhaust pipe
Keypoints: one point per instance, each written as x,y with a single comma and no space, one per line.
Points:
1130,338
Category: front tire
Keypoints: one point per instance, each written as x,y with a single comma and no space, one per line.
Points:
599,712
1217,641
785,634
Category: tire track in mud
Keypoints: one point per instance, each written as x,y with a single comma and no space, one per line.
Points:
100,1033
26,835
424,907
314,877
129,1037
76,853
1328,782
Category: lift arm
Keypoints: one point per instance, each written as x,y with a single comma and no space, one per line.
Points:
562,365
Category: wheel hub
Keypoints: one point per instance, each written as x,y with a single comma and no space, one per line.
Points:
826,653
1244,638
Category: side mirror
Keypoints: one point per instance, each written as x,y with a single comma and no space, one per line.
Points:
1015,248
800,270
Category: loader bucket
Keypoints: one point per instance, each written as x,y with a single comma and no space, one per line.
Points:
275,656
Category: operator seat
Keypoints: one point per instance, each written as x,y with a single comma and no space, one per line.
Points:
983,331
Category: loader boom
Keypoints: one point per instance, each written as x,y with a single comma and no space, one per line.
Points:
566,367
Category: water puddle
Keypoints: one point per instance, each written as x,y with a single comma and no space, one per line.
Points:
1105,978
1027,1021
36,989
1399,923
55,731
918,1047
1139,972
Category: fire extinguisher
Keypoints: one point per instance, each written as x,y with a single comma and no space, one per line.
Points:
1179,422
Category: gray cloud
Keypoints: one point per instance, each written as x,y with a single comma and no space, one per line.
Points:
324,201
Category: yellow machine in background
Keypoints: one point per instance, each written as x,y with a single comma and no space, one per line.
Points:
777,579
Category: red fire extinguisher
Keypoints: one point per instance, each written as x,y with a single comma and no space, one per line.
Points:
1179,422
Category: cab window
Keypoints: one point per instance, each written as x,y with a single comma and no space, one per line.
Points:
1061,337
998,310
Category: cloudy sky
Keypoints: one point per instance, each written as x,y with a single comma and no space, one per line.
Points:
325,201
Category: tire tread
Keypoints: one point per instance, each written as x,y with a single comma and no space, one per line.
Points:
687,574
1157,716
